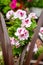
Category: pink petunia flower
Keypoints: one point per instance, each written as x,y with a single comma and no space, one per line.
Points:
13,4
9,14
21,14
26,22
14,42
32,15
14,0
41,33
22,34
41,30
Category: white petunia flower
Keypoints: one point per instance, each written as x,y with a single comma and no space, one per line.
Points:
21,14
41,33
35,48
14,42
41,30
22,34
32,15
9,14
15,15
26,22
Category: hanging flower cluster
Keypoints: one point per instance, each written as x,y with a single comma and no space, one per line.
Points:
21,29
21,14
26,22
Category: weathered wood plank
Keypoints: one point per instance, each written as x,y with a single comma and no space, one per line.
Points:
5,43
34,61
39,59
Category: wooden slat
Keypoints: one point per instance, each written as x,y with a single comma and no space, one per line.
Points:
34,61
5,43
39,59
30,52
23,55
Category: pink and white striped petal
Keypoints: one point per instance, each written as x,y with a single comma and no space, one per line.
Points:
26,22
22,34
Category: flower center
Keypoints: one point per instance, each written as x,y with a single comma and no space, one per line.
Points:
22,35
19,31
12,4
41,31
25,32
10,40
9,13
21,14
27,21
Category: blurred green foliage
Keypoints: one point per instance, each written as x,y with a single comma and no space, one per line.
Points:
40,51
1,57
34,3
4,6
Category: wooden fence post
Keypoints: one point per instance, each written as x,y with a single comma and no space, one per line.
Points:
5,43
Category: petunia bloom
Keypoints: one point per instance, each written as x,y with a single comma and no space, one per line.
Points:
26,22
14,42
32,15
14,0
22,34
41,30
9,14
21,14
13,5
41,33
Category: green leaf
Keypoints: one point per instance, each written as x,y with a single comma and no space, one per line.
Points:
30,34
24,42
17,51
6,8
5,2
13,28
40,50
